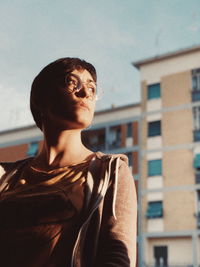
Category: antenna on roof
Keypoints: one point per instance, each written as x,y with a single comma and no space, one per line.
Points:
157,40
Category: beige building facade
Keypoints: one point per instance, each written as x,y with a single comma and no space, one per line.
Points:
170,159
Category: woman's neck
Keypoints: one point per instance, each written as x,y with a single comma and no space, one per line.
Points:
61,149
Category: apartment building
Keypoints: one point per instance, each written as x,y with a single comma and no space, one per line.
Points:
16,144
114,130
169,211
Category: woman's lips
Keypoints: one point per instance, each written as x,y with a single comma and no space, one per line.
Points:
82,105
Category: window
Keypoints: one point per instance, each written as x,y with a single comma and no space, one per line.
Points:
196,85
153,91
130,158
160,256
196,118
196,165
32,149
154,210
196,123
197,161
196,79
129,130
94,139
115,137
154,128
154,167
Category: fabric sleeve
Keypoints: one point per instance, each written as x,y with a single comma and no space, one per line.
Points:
2,171
117,240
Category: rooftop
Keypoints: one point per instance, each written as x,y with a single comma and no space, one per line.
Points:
179,52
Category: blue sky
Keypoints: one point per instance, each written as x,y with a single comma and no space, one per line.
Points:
108,33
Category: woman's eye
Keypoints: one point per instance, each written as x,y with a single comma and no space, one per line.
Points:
92,88
72,83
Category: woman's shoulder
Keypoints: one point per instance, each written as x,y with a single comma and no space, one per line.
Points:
119,165
8,167
104,156
116,164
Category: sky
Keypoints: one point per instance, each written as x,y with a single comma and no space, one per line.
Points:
111,34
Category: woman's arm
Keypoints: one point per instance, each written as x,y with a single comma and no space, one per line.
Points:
117,243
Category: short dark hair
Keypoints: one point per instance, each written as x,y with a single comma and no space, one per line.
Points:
45,81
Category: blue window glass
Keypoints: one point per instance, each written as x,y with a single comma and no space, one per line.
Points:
154,128
154,167
32,149
196,135
155,209
196,95
197,161
153,91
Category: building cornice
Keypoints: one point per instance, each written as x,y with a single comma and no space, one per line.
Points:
168,55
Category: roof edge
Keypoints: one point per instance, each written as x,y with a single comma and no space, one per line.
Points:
179,52
117,108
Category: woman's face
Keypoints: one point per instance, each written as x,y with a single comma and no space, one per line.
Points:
72,110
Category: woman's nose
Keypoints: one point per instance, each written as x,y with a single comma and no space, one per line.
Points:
84,92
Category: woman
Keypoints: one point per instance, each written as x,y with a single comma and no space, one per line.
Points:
67,206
